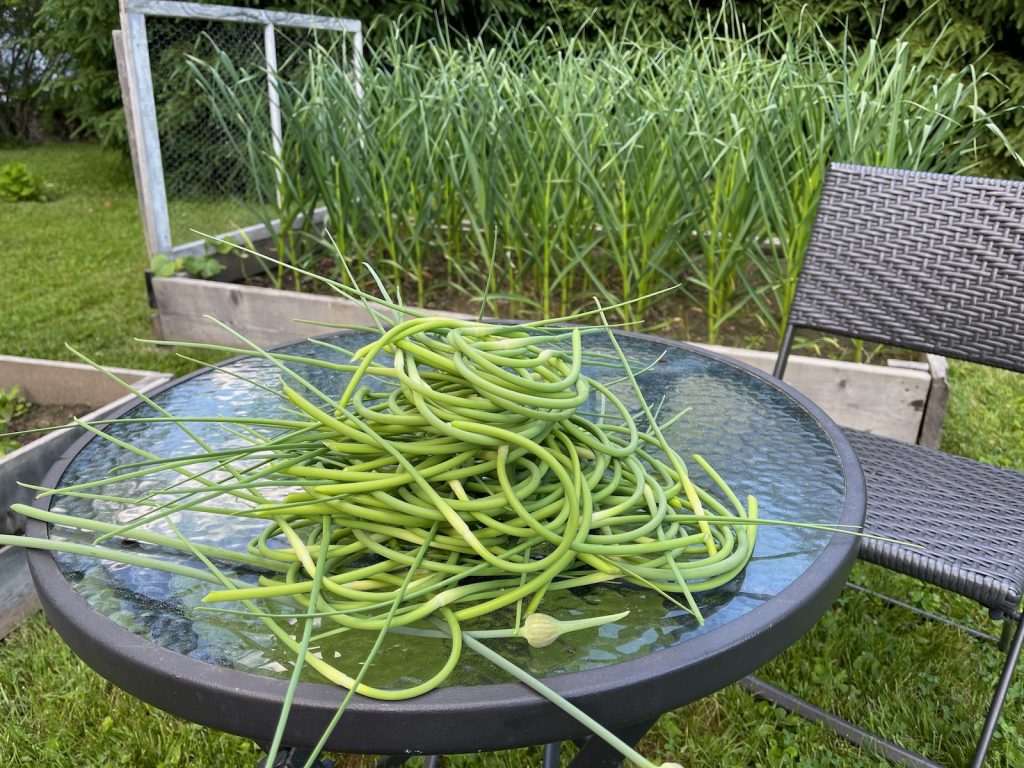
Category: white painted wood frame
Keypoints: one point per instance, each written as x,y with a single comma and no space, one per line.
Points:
132,48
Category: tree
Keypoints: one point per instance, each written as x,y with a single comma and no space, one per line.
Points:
25,72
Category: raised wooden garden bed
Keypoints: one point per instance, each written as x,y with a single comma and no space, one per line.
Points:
47,383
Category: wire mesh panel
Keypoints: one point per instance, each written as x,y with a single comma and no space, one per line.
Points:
200,168
199,161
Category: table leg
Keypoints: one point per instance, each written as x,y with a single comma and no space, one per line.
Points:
292,757
552,755
595,753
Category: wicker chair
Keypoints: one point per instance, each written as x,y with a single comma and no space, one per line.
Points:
933,263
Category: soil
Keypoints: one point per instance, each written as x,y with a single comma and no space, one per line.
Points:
676,316
40,416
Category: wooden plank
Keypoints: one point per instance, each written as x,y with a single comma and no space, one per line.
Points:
51,382
143,112
56,382
938,400
242,15
127,100
18,598
265,315
883,400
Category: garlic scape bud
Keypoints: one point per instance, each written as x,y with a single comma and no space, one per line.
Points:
541,630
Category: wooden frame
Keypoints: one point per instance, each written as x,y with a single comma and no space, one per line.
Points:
131,45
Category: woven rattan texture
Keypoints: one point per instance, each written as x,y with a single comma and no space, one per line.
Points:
966,517
920,260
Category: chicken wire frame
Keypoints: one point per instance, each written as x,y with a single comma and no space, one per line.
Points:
132,47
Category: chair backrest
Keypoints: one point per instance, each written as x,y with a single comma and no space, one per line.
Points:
925,261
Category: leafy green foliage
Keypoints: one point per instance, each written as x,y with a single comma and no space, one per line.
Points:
982,34
206,267
163,265
19,185
74,35
77,32
12,406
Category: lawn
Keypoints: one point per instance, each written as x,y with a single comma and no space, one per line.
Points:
74,274
74,268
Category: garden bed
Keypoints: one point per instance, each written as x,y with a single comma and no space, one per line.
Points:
59,391
903,399
44,417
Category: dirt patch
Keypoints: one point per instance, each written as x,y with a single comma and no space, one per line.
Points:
678,315
42,416
675,316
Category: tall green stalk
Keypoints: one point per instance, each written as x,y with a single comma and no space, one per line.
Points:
534,175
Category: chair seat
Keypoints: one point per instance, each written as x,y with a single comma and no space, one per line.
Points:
922,496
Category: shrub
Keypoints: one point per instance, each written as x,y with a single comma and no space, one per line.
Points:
19,185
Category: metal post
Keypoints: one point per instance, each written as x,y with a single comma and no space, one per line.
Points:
357,61
1002,688
357,78
270,51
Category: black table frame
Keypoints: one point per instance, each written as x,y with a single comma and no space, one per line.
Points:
632,694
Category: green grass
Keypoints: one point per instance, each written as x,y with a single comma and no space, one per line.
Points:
985,419
61,712
73,272
188,218
74,268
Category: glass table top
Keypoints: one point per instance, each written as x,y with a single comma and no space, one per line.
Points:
758,437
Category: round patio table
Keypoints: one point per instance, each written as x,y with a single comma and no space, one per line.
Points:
141,629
